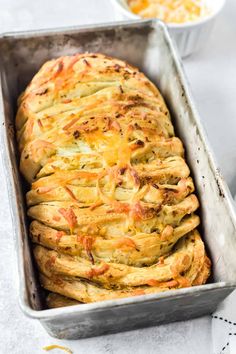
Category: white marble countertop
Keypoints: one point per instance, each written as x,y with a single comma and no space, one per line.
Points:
212,74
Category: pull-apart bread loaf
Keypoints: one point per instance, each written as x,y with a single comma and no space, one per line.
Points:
111,199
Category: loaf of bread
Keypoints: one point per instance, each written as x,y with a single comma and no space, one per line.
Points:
111,200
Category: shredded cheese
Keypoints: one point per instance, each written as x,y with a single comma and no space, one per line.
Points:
170,11
55,346
69,216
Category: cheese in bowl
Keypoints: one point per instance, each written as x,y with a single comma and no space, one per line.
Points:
189,22
170,11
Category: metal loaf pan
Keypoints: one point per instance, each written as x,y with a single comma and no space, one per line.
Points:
147,45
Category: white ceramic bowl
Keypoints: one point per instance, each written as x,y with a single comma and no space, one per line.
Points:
189,37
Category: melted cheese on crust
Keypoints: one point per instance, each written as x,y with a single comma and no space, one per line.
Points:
110,194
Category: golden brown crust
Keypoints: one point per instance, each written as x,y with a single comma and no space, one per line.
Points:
138,250
86,292
189,253
55,300
111,197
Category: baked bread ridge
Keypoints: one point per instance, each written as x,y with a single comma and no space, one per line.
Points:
111,198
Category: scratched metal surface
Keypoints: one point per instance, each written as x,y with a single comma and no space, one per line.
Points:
147,45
